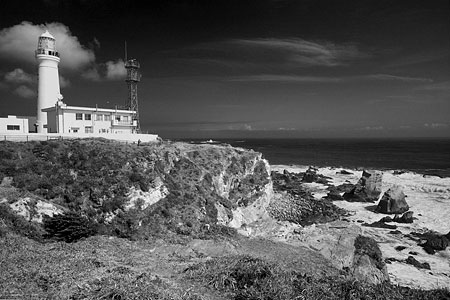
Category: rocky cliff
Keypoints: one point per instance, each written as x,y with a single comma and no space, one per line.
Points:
130,189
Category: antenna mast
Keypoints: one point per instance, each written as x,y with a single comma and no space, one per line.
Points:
133,77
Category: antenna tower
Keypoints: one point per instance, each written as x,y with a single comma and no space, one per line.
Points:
133,77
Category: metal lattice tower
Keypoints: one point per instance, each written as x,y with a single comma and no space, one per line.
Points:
133,77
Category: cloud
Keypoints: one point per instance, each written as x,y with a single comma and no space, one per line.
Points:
288,52
19,42
439,86
280,78
397,78
64,82
115,70
111,70
372,128
19,76
25,92
313,53
284,78
435,125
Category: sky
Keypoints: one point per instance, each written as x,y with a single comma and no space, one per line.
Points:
242,68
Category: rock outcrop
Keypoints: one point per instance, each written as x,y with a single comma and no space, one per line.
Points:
393,201
367,189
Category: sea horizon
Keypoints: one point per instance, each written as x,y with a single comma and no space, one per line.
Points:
424,155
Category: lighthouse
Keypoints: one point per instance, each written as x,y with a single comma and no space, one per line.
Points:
48,87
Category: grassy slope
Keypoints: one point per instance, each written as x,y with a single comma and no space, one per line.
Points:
165,264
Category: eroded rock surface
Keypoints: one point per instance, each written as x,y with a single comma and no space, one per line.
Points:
367,189
393,201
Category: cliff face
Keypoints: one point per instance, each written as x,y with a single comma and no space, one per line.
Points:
170,186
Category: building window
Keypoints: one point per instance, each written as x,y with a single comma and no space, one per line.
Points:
79,116
125,118
12,127
87,117
75,130
88,129
117,118
107,118
99,117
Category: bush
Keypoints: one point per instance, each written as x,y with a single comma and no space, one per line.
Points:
69,227
246,277
11,222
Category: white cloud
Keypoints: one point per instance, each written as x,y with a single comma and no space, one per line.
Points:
64,82
397,78
19,76
91,74
435,125
19,42
25,92
371,128
115,70
314,53
285,78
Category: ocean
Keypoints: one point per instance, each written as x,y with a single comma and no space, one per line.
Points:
429,156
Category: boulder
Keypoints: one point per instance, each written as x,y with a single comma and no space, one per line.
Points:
333,194
407,217
435,243
393,201
312,176
368,264
412,261
368,188
344,172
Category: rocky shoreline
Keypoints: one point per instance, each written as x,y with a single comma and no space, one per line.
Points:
415,255
69,191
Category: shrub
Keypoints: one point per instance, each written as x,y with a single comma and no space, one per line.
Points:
69,227
11,222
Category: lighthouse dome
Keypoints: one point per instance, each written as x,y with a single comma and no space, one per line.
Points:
47,35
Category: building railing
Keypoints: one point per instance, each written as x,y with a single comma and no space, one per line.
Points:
123,137
47,52
123,123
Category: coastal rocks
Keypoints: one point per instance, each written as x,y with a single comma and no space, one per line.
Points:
435,243
368,188
393,201
312,176
407,217
345,247
412,261
333,194
368,264
141,200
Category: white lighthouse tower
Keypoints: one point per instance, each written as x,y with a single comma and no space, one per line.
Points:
48,88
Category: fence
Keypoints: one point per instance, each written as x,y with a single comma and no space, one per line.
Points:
129,138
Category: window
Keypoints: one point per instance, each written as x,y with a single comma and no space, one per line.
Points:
12,127
79,116
88,129
99,117
107,118
75,130
87,117
117,118
125,118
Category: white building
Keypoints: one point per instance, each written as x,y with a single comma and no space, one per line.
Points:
75,119
55,118
13,124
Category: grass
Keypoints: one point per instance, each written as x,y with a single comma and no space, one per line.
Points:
245,277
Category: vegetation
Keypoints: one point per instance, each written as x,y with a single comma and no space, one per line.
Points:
245,277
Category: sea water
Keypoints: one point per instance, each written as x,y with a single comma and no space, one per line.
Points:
424,156
425,178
